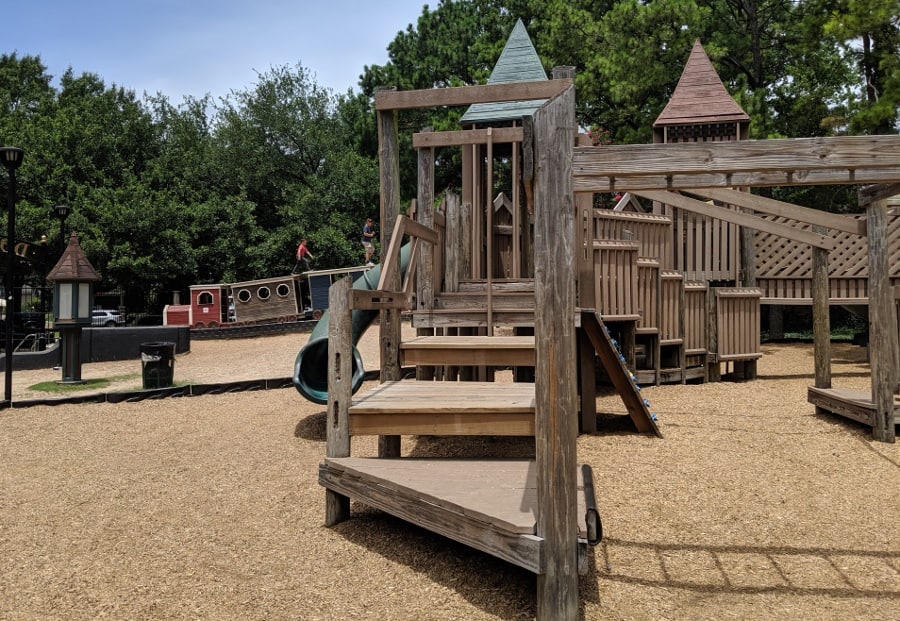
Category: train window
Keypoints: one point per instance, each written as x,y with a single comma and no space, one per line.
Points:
205,298
244,295
283,290
263,293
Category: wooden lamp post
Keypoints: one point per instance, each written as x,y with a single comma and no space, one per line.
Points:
73,280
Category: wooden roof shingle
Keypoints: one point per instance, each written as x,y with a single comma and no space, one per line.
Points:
700,97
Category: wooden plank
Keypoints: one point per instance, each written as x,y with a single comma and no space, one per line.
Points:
403,500
467,95
442,423
472,318
883,350
794,155
727,180
556,390
839,222
465,137
742,219
389,319
469,350
340,389
618,373
437,397
487,504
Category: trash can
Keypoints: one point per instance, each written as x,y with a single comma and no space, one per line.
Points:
157,364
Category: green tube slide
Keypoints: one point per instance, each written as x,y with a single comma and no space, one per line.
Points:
311,365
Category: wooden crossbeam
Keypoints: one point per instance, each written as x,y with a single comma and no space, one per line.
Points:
789,162
816,240
466,137
771,206
467,95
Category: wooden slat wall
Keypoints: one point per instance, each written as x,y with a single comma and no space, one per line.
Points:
671,292
695,339
737,323
705,248
648,295
652,231
615,278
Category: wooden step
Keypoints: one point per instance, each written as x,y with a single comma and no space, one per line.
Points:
496,351
444,409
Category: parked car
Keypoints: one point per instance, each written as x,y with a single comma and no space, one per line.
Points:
106,318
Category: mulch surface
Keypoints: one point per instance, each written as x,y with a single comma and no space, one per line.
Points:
208,507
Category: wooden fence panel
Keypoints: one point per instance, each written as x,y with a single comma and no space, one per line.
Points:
671,323
615,279
648,296
652,231
695,337
737,323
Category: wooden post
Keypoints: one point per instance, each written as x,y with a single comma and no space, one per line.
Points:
584,246
340,391
713,370
820,311
489,226
389,319
882,324
556,399
425,271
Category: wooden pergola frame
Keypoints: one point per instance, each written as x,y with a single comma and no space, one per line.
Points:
659,171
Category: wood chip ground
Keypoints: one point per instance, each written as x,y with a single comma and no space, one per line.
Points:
752,507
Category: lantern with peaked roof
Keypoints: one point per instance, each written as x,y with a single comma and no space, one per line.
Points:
73,289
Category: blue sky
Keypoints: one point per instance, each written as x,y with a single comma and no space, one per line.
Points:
195,47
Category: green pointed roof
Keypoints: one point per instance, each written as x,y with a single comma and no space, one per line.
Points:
700,97
519,62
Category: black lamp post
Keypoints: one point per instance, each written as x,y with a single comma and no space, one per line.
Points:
12,159
62,212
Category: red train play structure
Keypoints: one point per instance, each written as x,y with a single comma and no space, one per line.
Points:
281,299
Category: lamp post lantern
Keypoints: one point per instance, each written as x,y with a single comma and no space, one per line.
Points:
62,212
12,159
73,279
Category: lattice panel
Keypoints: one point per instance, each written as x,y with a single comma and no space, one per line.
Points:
777,257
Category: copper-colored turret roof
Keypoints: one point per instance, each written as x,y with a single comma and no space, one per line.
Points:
73,265
700,96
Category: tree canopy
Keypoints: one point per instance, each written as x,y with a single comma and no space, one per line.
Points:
167,195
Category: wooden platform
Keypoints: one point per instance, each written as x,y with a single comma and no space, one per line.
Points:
487,504
444,408
469,350
855,404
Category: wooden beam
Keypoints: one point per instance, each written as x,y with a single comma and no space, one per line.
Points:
872,193
466,136
795,161
883,325
786,210
467,95
389,319
556,399
674,199
340,391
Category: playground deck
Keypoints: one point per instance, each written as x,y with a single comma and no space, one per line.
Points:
489,505
855,404
444,408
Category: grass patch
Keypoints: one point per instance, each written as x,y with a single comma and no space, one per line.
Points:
91,384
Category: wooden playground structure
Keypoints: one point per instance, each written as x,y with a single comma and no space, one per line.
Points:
566,293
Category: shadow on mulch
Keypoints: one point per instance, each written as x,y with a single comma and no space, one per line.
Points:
311,428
